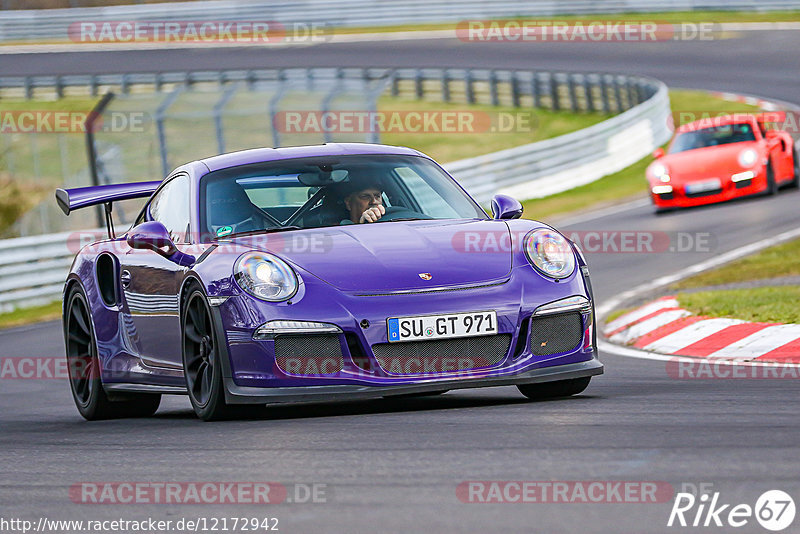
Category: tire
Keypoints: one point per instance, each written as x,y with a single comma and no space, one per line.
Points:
553,390
84,367
772,185
202,366
795,183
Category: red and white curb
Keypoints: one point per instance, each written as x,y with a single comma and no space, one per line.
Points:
663,327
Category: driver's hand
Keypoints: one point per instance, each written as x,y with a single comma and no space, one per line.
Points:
371,215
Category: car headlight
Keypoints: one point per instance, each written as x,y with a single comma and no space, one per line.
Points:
265,276
748,158
550,253
659,170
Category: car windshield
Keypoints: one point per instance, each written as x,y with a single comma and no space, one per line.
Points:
316,192
716,135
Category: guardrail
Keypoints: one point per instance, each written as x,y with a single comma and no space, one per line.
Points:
32,269
28,25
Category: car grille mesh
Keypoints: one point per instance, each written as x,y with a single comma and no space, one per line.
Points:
319,354
701,194
439,356
554,334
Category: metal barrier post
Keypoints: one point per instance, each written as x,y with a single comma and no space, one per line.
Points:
535,91
218,107
555,105
162,136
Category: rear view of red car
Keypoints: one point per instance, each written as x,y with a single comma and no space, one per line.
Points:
718,159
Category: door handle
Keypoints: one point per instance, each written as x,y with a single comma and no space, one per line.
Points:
125,278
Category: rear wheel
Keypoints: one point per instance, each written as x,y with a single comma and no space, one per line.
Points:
552,390
84,368
201,359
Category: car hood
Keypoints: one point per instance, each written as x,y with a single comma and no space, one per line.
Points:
710,162
391,256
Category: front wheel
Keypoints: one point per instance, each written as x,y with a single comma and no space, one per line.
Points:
795,183
202,366
772,185
84,368
552,390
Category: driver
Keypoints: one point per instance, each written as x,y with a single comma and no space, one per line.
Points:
363,199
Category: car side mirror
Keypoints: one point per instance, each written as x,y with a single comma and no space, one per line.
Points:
659,153
505,207
152,235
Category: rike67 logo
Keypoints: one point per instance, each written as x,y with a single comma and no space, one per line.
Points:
774,510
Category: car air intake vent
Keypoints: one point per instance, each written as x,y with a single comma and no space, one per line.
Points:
700,194
554,334
318,354
440,356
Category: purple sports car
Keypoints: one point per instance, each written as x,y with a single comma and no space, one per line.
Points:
339,271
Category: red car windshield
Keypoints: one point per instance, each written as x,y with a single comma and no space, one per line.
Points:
714,136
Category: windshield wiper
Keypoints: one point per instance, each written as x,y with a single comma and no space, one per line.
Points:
257,232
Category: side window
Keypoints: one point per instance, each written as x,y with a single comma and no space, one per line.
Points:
429,199
171,207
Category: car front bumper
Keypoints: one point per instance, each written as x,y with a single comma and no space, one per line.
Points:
235,394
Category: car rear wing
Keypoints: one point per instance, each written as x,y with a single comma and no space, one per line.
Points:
83,197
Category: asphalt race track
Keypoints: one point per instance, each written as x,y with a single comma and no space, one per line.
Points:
394,466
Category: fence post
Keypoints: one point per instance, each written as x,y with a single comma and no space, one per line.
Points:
604,96
91,148
162,136
419,90
395,83
618,94
469,89
588,94
555,104
326,101
495,98
273,107
445,86
573,97
535,92
515,98
218,107
630,85
28,88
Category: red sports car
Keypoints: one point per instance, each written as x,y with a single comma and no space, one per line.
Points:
717,159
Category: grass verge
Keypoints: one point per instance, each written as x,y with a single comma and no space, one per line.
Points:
780,260
763,304
38,314
485,128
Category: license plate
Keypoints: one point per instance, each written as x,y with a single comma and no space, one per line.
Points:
442,326
702,187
